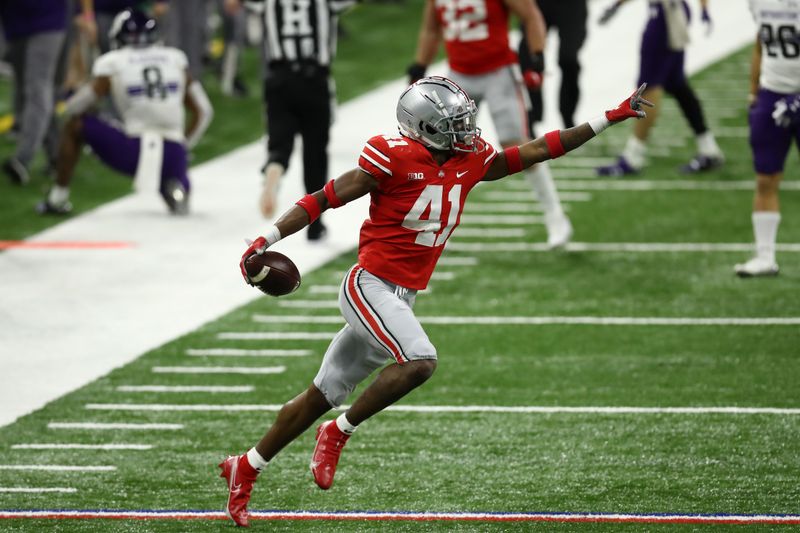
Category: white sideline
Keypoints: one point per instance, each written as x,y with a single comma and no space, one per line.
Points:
552,320
150,294
36,490
113,425
56,446
645,247
60,468
237,352
218,369
514,409
185,388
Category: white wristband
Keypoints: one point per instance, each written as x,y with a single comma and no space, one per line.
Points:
598,124
273,235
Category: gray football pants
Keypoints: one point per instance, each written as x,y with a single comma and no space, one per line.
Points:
34,60
381,327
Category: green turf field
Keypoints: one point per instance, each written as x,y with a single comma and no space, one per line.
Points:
706,463
360,66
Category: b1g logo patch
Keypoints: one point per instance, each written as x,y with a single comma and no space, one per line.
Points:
416,176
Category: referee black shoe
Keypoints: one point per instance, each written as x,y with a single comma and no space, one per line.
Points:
317,231
16,171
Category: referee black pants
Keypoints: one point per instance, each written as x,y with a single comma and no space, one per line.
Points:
569,17
299,102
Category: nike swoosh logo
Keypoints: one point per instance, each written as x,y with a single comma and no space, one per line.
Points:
459,174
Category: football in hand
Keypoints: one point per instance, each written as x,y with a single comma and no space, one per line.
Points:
273,273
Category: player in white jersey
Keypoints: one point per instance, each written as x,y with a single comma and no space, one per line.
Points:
150,87
774,120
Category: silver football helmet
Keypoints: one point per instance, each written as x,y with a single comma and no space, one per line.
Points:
439,114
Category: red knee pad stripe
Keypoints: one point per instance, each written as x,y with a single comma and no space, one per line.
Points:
311,205
333,200
513,159
554,144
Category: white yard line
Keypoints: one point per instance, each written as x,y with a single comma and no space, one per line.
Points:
37,490
434,409
410,516
56,446
553,320
324,289
308,304
443,276
502,207
489,233
82,313
633,247
185,388
218,370
277,336
60,468
567,196
503,220
114,425
669,185
238,352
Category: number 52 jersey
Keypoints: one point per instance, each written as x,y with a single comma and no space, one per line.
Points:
147,86
415,207
779,32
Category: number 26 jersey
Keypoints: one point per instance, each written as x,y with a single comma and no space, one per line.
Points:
416,206
779,32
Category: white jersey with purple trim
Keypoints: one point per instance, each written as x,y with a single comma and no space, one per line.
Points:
779,32
148,85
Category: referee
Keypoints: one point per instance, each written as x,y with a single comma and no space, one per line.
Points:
569,17
299,45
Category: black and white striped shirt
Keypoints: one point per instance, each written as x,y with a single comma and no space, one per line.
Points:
301,31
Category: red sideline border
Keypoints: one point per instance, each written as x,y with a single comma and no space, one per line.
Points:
88,514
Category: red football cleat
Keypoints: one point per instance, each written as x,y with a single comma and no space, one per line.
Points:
240,479
330,441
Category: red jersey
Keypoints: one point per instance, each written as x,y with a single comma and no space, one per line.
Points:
475,34
416,206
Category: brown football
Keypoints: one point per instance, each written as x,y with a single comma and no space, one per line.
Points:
273,273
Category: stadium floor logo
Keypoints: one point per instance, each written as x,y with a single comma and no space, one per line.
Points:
84,514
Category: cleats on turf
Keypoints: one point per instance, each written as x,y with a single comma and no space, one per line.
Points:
756,267
240,477
330,441
702,163
46,208
559,230
617,169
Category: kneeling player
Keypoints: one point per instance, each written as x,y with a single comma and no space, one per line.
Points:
150,87
418,182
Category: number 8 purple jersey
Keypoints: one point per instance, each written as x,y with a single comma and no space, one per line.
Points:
416,206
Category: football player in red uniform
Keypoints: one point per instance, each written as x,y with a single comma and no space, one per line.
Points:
475,35
418,181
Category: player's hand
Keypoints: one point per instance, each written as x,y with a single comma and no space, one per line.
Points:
256,247
707,23
609,13
415,71
787,112
630,108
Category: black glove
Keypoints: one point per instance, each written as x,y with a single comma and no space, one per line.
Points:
416,72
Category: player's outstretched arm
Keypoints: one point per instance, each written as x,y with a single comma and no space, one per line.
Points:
557,143
336,193
428,41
